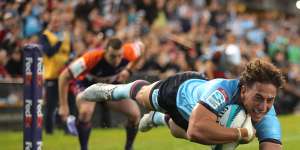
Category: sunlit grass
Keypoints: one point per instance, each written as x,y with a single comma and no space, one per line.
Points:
157,139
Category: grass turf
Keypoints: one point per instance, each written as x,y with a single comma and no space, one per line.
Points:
157,139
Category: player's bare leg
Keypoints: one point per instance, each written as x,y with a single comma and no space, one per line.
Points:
115,94
138,90
154,118
83,124
177,131
143,96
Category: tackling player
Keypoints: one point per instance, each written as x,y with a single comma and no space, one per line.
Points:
194,103
112,65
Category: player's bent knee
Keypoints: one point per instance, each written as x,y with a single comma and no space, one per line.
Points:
176,131
135,116
86,110
85,115
174,134
134,120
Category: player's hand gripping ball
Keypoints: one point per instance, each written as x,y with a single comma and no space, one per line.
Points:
234,116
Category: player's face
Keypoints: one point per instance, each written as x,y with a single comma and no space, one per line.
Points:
258,99
114,57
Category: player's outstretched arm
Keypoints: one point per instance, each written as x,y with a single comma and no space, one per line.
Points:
204,129
269,146
63,86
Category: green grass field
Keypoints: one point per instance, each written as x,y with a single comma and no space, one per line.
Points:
157,139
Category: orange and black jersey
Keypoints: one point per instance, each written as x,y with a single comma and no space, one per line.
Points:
93,64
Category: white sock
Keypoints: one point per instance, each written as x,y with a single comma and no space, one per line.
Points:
159,118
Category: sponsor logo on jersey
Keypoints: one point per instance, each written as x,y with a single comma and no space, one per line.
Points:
217,98
77,67
224,94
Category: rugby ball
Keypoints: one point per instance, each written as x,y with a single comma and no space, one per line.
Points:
233,116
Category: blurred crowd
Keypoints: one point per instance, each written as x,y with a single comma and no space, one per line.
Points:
215,37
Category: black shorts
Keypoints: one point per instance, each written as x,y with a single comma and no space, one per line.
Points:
168,92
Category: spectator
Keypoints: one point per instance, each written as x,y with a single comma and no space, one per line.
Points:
56,44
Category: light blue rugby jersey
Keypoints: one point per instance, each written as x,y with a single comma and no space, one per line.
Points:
215,95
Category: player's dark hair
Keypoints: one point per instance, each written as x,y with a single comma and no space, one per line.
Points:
263,72
114,43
